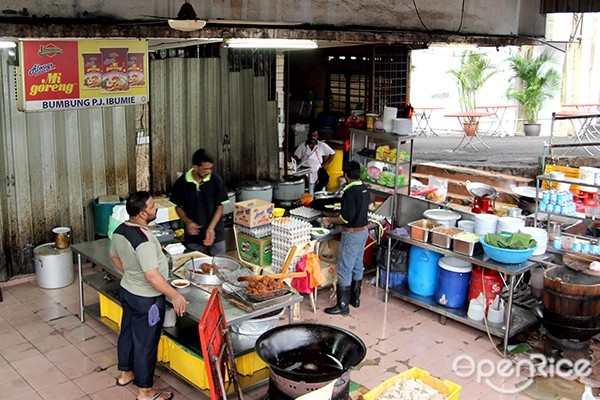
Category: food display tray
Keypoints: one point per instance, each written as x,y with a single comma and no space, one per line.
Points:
442,236
466,248
419,230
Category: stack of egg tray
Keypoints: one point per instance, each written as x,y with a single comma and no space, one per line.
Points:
288,232
258,233
308,214
376,217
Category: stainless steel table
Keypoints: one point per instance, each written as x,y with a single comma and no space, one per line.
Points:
97,252
517,319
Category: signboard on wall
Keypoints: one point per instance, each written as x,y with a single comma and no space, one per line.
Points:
69,74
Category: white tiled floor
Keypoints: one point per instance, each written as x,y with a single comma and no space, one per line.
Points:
46,353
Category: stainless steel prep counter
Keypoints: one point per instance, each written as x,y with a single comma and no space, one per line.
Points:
97,252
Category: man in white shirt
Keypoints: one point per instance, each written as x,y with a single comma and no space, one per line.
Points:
315,155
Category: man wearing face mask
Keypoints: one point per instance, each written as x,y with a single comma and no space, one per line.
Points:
136,252
199,195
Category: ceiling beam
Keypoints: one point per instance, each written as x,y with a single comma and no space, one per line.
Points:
29,28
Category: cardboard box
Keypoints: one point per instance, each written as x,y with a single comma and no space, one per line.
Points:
253,213
255,251
328,251
329,271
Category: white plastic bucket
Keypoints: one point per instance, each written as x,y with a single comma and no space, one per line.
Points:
53,267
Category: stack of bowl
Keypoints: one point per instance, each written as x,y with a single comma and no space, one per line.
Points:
509,224
485,223
539,235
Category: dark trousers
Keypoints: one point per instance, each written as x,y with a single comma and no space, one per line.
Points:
137,346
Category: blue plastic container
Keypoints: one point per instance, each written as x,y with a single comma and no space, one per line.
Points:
452,285
396,278
422,270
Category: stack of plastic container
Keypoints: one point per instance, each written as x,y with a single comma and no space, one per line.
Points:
286,233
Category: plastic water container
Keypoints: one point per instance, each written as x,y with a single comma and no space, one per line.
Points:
453,282
422,271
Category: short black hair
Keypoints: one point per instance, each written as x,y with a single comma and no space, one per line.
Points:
352,169
136,202
202,156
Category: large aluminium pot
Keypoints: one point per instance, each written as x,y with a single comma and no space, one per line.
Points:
250,190
288,189
310,352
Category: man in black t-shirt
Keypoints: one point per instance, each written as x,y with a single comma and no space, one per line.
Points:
354,221
199,195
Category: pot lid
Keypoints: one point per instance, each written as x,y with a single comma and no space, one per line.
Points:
441,215
290,181
255,185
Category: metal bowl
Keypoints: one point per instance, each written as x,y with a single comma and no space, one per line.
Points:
194,265
482,190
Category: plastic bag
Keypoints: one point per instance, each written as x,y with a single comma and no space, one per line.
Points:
442,189
398,258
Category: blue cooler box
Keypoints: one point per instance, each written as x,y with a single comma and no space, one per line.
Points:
452,285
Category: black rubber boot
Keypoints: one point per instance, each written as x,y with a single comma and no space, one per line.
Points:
343,296
355,294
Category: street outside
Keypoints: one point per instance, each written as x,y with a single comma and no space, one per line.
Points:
511,153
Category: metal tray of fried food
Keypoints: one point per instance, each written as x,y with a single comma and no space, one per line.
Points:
241,294
271,294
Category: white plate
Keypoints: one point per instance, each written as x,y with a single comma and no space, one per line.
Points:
319,232
180,283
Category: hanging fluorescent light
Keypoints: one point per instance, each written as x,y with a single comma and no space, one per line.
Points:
7,44
255,43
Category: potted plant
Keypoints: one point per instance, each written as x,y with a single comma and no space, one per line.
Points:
475,69
537,82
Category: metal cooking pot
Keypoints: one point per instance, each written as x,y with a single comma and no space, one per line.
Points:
310,352
250,190
289,189
228,207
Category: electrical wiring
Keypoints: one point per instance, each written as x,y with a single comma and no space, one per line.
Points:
462,16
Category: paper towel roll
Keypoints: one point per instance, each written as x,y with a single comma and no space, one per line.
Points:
402,126
389,114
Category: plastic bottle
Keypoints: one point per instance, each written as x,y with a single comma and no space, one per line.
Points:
587,394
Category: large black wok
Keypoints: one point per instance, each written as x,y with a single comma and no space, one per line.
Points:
324,204
310,353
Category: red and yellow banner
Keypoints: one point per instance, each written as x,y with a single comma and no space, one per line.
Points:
68,74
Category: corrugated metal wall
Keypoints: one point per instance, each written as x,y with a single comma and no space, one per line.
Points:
204,102
53,165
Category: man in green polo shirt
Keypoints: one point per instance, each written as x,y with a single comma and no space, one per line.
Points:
199,195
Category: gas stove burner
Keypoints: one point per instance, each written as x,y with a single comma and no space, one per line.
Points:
281,388
569,349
